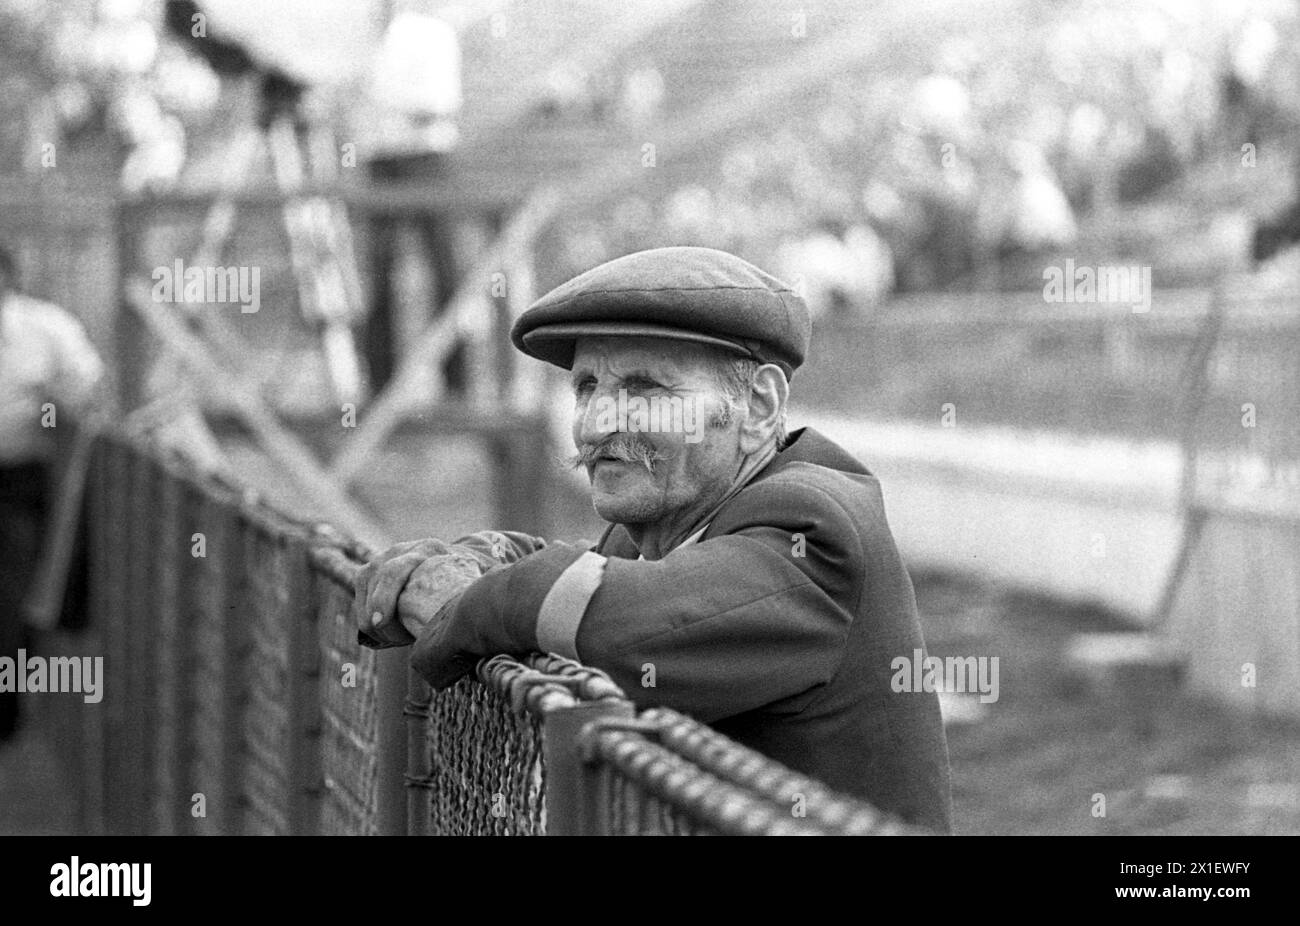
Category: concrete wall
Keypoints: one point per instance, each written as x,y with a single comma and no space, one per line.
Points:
1082,519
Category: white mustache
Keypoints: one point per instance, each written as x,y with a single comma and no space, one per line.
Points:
622,446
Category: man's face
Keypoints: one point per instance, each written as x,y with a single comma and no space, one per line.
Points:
658,400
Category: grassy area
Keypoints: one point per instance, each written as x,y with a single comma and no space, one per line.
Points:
1167,762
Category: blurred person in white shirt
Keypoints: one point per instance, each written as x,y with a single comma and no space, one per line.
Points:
49,378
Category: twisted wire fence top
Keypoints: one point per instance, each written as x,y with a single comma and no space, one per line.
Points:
337,553
732,762
650,790
544,682
671,775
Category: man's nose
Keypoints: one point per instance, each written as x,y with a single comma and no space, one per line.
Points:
596,418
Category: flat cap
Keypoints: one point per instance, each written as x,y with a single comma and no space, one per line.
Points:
682,293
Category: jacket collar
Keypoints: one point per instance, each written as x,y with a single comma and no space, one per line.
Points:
805,445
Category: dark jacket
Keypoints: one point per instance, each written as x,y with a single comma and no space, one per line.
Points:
777,628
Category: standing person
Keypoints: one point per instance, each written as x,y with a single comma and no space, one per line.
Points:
413,101
48,375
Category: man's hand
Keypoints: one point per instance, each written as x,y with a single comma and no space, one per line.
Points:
400,590
435,582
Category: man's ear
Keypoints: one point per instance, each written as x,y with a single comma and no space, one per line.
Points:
767,397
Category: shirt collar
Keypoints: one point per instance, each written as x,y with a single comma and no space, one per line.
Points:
687,542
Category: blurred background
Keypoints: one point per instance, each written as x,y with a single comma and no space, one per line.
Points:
1104,493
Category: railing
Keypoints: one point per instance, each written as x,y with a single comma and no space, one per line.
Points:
237,701
1011,360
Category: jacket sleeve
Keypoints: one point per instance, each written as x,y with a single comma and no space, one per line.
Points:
754,614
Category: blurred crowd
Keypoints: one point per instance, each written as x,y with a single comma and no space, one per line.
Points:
1005,140
998,151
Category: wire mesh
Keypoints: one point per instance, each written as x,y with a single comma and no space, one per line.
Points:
171,643
266,721
487,776
216,671
484,773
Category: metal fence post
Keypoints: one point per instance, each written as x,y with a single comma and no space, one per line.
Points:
419,763
392,668
573,794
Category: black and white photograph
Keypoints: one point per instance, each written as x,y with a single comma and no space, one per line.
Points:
662,417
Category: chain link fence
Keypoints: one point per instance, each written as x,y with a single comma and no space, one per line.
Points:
238,701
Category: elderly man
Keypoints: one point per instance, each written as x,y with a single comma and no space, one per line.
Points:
748,576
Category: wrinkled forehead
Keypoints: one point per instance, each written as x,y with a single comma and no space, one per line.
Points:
622,355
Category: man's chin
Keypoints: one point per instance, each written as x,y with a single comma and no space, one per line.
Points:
622,508
624,493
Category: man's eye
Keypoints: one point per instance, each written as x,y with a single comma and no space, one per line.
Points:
645,387
584,387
